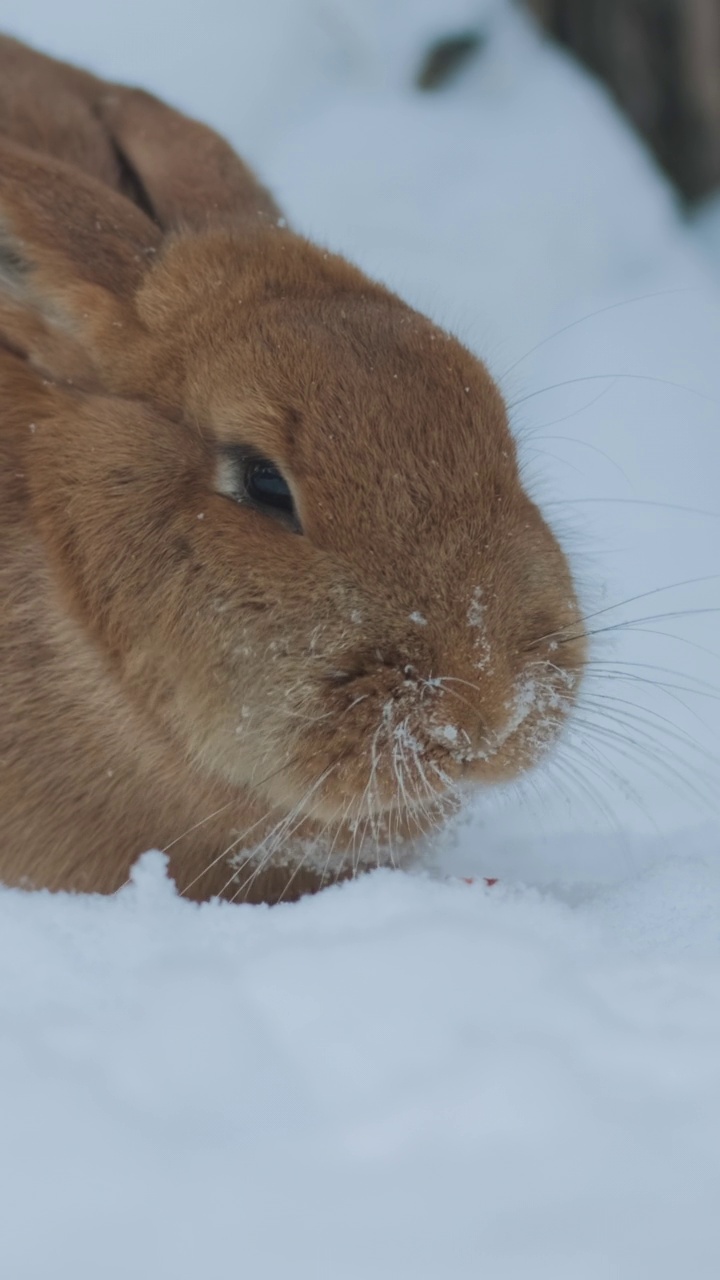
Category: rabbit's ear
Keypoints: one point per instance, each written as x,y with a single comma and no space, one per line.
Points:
187,176
72,254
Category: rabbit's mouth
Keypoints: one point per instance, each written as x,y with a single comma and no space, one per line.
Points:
399,753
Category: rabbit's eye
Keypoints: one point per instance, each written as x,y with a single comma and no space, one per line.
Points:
255,482
265,485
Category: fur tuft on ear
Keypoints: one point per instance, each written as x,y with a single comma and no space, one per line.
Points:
190,177
72,254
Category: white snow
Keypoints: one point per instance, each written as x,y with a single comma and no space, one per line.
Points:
411,1076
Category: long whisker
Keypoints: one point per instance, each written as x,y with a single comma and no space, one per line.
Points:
340,826
635,502
603,377
642,595
238,839
700,687
571,770
591,315
643,683
631,623
651,720
224,854
290,824
644,754
217,812
581,746
298,868
533,433
583,444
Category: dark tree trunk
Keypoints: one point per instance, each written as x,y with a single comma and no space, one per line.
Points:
661,59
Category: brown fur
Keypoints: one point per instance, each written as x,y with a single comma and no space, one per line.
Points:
179,669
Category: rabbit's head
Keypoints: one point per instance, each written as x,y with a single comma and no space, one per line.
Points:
285,506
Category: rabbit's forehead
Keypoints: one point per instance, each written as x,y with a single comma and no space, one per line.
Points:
436,435
321,369
340,390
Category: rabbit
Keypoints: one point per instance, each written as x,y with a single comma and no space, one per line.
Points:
273,595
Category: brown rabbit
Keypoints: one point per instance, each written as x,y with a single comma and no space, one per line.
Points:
272,590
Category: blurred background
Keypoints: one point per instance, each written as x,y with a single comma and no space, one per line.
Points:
542,179
661,60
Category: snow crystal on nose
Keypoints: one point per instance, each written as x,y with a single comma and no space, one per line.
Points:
476,621
476,609
527,697
534,695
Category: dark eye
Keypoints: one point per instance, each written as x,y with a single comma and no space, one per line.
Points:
265,485
256,482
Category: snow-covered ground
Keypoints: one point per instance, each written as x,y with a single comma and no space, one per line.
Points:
410,1076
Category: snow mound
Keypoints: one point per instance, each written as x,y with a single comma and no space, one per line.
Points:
398,1078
